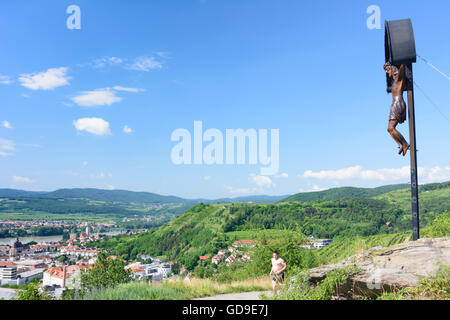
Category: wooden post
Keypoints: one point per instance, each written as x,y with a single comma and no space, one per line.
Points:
413,155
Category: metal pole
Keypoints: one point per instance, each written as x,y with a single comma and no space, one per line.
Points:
413,155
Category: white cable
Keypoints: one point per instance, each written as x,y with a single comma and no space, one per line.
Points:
442,73
432,102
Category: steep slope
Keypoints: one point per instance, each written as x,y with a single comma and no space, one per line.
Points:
206,227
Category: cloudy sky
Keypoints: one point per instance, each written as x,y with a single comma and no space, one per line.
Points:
96,106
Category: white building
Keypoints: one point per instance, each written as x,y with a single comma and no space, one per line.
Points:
65,276
155,271
321,243
81,252
9,274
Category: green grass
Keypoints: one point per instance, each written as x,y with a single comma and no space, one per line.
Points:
177,289
300,289
269,234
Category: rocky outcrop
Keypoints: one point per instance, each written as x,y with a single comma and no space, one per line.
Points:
385,269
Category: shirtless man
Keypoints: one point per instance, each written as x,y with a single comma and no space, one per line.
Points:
277,272
398,108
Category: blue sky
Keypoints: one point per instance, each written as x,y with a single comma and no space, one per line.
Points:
96,107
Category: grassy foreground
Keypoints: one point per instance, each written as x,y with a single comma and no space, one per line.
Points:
178,289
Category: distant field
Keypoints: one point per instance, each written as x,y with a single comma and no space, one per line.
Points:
36,215
35,208
429,200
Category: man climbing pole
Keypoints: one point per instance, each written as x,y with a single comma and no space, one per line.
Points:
397,112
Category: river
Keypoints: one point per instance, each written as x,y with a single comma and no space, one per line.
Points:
10,241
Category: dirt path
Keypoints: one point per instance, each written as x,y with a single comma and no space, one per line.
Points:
253,295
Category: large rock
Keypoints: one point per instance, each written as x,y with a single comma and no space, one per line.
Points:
386,269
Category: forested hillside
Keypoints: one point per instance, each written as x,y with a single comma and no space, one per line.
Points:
206,228
345,193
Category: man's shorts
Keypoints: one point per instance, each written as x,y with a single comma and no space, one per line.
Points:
398,110
279,278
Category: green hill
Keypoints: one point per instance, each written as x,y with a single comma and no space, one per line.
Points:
96,195
432,197
344,193
114,196
205,228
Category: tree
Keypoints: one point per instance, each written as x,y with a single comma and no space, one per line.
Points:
105,273
32,292
176,268
62,259
190,261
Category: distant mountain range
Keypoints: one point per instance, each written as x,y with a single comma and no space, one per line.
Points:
96,195
127,196
153,198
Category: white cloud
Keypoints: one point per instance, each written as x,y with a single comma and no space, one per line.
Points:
282,175
99,97
67,104
232,190
145,63
346,173
6,124
127,129
33,145
110,187
206,178
6,147
434,174
314,188
102,62
426,175
22,179
5,79
96,126
317,188
85,163
261,181
120,88
101,175
47,80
